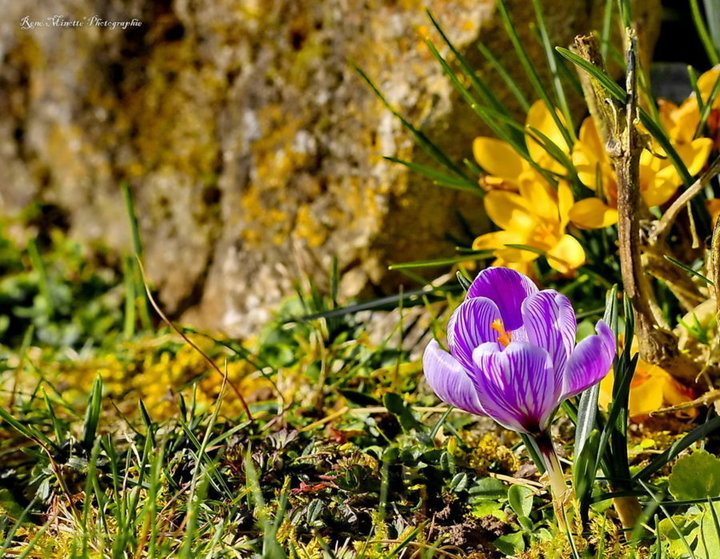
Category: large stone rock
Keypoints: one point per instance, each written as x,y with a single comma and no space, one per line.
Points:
252,147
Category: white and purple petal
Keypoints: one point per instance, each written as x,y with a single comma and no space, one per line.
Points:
508,289
469,326
550,323
449,380
590,361
517,386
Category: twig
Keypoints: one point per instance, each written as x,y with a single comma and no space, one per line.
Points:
191,343
714,264
624,149
663,226
680,283
623,144
602,109
704,400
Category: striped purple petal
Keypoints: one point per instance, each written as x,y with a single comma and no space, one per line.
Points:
469,326
590,361
507,288
550,323
448,379
516,386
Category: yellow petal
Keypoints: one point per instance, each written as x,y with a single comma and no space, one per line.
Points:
646,391
667,111
568,254
705,84
659,191
606,389
696,154
590,137
541,118
590,160
540,199
565,202
593,213
680,122
522,267
652,388
509,211
658,178
517,255
713,207
498,159
497,240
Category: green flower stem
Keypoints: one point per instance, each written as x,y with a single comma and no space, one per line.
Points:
555,475
628,510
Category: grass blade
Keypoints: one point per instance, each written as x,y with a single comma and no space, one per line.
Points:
693,77
677,447
408,298
420,137
92,414
486,114
615,90
26,429
505,76
553,65
138,251
707,107
441,261
11,533
606,29
44,281
687,269
707,42
532,74
130,295
485,92
438,177
712,14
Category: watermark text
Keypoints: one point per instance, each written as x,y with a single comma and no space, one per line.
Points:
28,22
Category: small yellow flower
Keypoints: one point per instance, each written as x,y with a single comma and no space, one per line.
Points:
658,177
506,169
713,208
705,85
536,217
651,389
680,122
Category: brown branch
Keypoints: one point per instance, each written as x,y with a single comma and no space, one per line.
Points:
662,228
680,283
601,108
624,144
714,264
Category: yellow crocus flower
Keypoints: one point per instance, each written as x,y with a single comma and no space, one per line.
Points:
651,389
713,208
705,85
680,122
658,177
537,217
505,167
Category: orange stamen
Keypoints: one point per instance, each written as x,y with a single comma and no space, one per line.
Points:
504,337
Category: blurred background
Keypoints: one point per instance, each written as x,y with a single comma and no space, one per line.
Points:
252,148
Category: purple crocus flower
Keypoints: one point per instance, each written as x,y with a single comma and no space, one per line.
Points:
513,355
